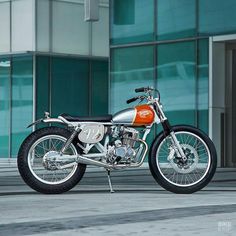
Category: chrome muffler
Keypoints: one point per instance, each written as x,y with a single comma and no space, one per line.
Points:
88,161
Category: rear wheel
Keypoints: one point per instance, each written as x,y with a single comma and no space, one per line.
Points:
36,164
179,176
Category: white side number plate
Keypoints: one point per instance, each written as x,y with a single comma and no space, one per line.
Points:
91,133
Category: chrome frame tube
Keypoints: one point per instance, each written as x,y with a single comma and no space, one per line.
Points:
100,147
147,131
94,155
86,159
143,157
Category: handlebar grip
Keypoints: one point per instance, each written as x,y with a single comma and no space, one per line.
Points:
131,100
137,90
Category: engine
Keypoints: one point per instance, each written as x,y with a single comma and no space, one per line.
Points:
122,149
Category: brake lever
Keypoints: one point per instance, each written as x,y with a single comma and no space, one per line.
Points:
142,98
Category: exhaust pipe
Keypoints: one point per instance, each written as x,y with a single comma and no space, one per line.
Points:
88,161
80,159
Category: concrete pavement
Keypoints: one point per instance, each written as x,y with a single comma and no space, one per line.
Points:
95,179
139,207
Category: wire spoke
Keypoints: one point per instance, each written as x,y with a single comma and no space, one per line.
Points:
183,173
43,167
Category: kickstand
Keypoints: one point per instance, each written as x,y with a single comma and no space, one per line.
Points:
109,181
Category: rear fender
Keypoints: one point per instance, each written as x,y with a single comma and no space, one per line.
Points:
47,120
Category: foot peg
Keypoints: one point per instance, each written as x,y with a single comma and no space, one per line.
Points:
109,181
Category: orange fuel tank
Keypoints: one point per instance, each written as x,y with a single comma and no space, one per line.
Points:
145,115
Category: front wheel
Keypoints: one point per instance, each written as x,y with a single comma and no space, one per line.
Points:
183,176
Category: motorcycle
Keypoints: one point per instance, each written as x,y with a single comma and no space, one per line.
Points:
182,159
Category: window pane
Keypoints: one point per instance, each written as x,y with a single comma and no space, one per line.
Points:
100,34
128,22
203,84
5,68
5,26
43,19
70,86
22,25
131,68
176,19
217,16
99,90
177,81
70,31
22,100
42,85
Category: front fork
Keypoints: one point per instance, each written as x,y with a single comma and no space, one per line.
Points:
177,146
168,131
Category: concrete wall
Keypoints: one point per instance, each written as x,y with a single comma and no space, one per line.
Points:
53,26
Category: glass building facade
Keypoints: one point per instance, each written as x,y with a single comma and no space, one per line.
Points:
60,85
50,60
166,44
16,99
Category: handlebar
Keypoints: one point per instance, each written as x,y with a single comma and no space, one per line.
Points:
144,89
138,90
147,90
132,100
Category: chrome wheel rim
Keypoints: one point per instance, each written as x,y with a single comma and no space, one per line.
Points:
38,153
184,174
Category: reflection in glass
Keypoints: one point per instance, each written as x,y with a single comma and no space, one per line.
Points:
217,16
22,100
70,83
176,19
131,68
99,87
78,86
132,21
4,106
42,85
177,81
